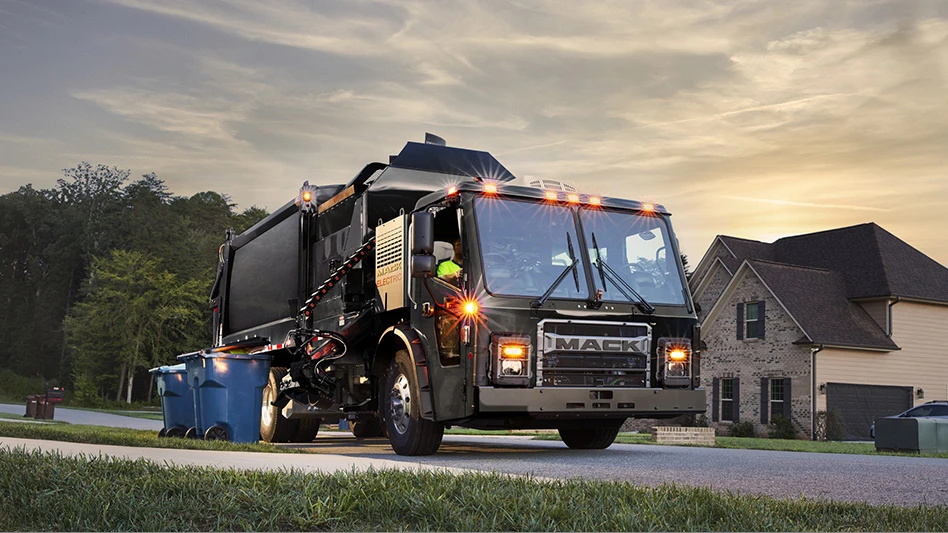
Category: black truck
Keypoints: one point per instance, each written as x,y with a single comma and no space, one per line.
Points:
570,310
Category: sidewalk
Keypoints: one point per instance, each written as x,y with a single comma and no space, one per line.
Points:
308,462
92,418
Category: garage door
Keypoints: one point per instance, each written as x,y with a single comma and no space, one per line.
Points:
860,405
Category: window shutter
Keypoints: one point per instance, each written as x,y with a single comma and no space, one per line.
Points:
736,404
740,321
787,404
760,318
764,399
715,399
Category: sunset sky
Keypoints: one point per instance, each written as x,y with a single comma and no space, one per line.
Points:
756,119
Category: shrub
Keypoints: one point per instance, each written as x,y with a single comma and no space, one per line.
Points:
781,428
701,421
741,429
829,425
16,388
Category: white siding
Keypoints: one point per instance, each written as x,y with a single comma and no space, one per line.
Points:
921,331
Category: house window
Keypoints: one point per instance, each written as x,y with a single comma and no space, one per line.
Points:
776,398
727,399
751,322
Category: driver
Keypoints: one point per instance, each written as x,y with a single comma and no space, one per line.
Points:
450,269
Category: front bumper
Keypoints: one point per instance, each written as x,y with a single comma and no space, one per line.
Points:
593,401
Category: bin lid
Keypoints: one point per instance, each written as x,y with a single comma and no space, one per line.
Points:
169,369
207,354
189,355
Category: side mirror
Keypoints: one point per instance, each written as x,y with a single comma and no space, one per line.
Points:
422,233
423,266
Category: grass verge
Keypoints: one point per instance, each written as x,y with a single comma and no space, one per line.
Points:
101,494
125,437
780,445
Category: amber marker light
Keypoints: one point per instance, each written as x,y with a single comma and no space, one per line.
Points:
307,196
452,190
513,350
551,195
572,198
648,207
490,188
677,354
469,307
595,200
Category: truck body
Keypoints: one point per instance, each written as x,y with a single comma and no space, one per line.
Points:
570,311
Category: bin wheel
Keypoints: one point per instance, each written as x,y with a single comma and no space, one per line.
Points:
216,433
408,432
274,427
175,433
161,434
191,433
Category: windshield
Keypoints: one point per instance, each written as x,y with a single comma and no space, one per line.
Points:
525,246
637,248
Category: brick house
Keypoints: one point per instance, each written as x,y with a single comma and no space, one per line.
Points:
851,319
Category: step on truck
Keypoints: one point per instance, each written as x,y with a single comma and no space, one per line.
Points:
433,291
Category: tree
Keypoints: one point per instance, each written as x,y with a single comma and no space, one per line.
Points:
134,314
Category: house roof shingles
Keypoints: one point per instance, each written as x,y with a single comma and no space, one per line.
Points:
816,298
873,262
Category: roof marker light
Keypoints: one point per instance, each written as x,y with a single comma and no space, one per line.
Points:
572,198
648,207
595,200
452,190
490,188
551,195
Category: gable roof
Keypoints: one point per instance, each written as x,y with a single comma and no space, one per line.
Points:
816,299
873,262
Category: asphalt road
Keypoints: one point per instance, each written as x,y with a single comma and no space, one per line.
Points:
858,478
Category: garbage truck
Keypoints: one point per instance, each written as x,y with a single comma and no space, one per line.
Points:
436,291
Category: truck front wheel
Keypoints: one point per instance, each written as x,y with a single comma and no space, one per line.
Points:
594,438
274,427
408,432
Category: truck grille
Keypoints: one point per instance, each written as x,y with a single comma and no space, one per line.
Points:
593,354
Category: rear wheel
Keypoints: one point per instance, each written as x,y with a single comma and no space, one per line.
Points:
594,438
306,429
274,427
408,432
366,427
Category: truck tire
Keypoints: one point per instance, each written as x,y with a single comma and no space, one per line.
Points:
306,429
366,427
594,438
274,427
400,401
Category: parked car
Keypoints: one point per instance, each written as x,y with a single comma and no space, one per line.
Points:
932,409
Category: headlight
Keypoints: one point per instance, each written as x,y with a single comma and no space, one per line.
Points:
510,359
675,359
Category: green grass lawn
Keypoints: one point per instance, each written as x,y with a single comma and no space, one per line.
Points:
78,494
124,437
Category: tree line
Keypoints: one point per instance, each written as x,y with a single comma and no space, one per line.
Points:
103,277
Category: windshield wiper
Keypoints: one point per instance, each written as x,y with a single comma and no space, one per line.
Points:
569,246
606,270
559,279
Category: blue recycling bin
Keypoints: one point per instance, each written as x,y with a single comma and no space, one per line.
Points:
177,400
228,392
